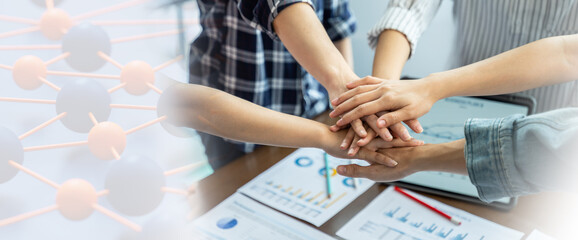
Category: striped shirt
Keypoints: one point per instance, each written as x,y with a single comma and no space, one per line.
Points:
238,52
489,27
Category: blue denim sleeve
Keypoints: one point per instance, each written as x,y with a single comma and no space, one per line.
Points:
261,13
519,155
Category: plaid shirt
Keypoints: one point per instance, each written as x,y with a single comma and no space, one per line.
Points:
238,52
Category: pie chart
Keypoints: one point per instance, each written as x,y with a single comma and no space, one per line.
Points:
303,162
227,223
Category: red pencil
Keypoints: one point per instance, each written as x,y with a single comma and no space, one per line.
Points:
452,219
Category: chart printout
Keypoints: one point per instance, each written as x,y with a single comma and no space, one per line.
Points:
392,215
239,217
297,186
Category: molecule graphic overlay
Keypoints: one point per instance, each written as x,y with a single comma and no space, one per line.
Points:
134,185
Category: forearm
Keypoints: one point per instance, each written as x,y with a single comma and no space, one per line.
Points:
544,62
344,47
215,112
304,36
391,53
444,157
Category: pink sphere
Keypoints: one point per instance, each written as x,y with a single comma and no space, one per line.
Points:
136,75
75,199
105,136
27,72
55,23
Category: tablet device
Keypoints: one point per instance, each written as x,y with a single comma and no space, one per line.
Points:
445,123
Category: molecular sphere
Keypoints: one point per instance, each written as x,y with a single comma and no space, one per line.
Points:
75,199
134,185
136,75
166,107
104,137
55,23
42,3
27,72
10,149
80,98
83,42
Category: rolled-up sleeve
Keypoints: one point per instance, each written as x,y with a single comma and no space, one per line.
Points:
410,17
338,20
519,155
261,13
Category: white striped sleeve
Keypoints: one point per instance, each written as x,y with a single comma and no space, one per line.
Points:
410,17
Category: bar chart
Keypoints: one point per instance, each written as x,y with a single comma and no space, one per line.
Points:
394,216
297,186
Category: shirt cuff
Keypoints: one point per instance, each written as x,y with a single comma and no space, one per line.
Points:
399,19
490,157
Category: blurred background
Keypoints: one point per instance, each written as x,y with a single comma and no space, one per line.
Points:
24,193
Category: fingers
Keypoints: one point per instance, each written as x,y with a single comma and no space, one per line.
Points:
414,125
400,131
376,157
384,133
373,172
354,148
352,170
367,139
357,126
348,139
369,80
353,98
380,143
335,128
391,118
360,111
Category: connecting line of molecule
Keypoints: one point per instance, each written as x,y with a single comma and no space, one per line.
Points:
55,22
76,199
137,78
135,185
30,72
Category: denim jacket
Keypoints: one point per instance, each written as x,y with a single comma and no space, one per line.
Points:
518,155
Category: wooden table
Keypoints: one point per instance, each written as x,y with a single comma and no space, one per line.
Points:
555,214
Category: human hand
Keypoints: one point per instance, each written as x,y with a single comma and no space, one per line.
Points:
330,143
337,89
355,142
407,159
447,157
407,100
397,130
363,136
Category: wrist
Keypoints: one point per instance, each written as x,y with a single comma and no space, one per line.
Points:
445,157
437,86
323,137
335,79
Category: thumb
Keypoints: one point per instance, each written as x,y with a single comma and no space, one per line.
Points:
392,118
351,170
368,80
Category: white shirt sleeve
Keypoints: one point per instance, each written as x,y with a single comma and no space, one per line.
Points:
410,17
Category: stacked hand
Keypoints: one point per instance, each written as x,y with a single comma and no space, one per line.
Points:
380,106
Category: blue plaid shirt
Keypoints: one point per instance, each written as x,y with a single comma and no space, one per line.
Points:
238,52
